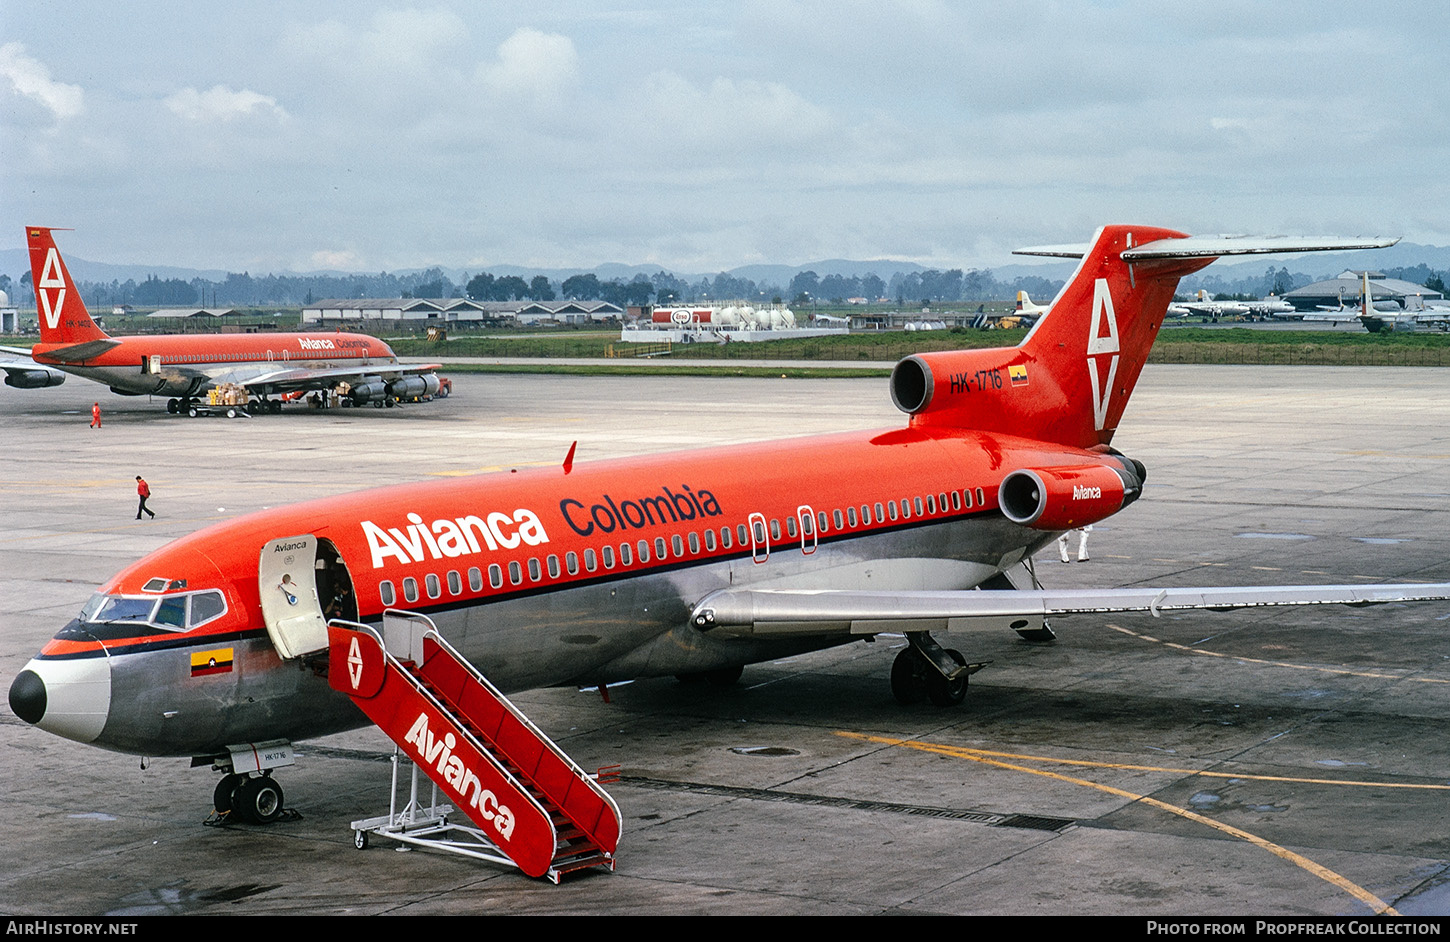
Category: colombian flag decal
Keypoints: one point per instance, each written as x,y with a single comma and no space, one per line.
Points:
1018,374
218,661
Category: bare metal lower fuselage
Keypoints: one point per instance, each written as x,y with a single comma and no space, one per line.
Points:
614,629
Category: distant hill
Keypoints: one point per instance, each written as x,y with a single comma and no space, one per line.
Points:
14,262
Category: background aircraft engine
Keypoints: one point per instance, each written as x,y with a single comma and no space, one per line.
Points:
369,392
411,387
1063,498
33,379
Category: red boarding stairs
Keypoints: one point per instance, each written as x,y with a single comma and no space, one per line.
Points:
529,800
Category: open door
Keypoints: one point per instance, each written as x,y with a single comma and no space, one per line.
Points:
287,582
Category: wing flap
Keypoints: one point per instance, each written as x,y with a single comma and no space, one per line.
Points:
830,611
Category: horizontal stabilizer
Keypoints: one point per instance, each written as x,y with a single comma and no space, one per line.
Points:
80,352
1219,246
802,611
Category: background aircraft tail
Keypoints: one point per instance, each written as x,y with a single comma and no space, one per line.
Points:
63,315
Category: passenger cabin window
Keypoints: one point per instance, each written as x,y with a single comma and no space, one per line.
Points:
836,518
694,542
385,591
917,502
591,562
725,539
475,579
571,562
790,529
516,572
821,521
553,562
435,588
880,514
710,541
660,548
625,557
410,589
956,501
981,499
455,582
742,536
851,516
535,573
677,545
642,547
930,504
495,576
891,509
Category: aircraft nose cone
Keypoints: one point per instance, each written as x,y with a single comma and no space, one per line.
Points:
70,698
27,697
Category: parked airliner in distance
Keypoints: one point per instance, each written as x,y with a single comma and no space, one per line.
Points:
678,564
183,367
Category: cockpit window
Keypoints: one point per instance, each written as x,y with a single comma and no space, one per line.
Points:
124,610
205,606
170,612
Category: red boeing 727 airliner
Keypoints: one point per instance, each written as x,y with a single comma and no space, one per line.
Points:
184,366
687,563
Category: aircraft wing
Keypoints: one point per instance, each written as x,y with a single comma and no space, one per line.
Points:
833,611
287,380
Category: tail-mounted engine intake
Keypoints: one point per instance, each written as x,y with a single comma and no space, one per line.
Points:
1073,496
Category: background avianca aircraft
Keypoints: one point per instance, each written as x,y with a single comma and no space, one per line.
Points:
689,563
184,366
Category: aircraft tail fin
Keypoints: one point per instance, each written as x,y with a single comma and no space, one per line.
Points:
1069,380
63,315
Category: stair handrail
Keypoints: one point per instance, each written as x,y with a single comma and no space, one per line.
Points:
508,704
447,711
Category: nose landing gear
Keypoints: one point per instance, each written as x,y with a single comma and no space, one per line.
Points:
254,799
247,791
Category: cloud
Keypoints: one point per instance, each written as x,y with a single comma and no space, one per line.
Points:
220,103
532,64
31,79
335,260
732,107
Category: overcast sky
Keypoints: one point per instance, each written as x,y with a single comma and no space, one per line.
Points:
374,136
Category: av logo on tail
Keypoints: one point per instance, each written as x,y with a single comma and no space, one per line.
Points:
50,277
1100,345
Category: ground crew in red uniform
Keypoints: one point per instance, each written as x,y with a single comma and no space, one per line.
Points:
143,491
96,415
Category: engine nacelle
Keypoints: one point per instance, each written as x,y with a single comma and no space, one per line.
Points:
1068,497
368,392
411,387
33,379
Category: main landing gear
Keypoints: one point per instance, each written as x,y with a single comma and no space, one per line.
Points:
926,670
